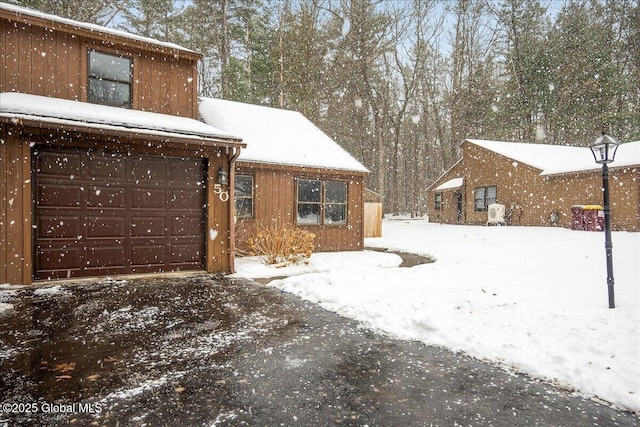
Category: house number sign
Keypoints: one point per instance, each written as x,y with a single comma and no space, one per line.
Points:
223,195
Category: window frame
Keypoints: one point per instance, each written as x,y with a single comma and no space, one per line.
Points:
92,76
323,204
251,197
485,200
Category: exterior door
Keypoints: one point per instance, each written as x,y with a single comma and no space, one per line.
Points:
458,200
99,213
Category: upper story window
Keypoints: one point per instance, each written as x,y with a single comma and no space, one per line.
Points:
322,202
243,193
109,79
484,196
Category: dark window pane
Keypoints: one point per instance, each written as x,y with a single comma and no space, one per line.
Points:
491,195
109,67
438,201
109,93
335,192
244,208
244,186
335,213
308,213
479,198
308,191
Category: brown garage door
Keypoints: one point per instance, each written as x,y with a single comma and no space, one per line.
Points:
101,213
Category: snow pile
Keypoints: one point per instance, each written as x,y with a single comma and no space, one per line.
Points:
51,290
5,307
533,299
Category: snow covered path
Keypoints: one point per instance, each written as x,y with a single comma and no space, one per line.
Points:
532,299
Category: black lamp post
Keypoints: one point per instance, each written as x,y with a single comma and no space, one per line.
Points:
604,151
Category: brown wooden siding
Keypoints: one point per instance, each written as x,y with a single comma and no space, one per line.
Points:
535,197
15,205
275,200
48,62
586,189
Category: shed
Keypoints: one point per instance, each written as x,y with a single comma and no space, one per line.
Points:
292,172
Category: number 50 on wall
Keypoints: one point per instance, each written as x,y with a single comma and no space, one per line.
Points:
223,195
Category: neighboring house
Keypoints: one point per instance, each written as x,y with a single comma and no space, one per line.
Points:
293,173
105,168
537,183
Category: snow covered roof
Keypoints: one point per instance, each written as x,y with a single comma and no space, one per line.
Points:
20,106
98,29
277,136
559,159
451,184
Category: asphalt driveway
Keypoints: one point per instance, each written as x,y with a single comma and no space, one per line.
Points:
205,350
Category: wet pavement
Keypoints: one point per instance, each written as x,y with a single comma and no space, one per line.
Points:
191,350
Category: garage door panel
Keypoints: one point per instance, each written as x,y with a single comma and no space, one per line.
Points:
59,195
106,227
187,226
188,172
148,227
148,169
105,256
107,197
60,164
186,199
147,255
108,167
148,198
116,214
182,253
58,257
57,227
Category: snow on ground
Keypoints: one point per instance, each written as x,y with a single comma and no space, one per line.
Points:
532,299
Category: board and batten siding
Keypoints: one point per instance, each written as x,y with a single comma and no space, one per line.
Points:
50,59
275,199
15,208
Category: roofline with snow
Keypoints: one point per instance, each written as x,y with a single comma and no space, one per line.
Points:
92,31
301,167
67,125
445,173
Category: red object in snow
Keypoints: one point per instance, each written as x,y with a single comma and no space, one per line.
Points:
587,217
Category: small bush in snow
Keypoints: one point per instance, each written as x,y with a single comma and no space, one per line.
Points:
281,244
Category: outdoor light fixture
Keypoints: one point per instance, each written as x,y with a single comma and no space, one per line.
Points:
223,177
604,149
604,152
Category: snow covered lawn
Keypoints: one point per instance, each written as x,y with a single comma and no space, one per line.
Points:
532,299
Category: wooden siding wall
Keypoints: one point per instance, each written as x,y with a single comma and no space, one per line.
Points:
275,199
517,184
537,197
448,211
586,189
372,219
15,208
47,62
